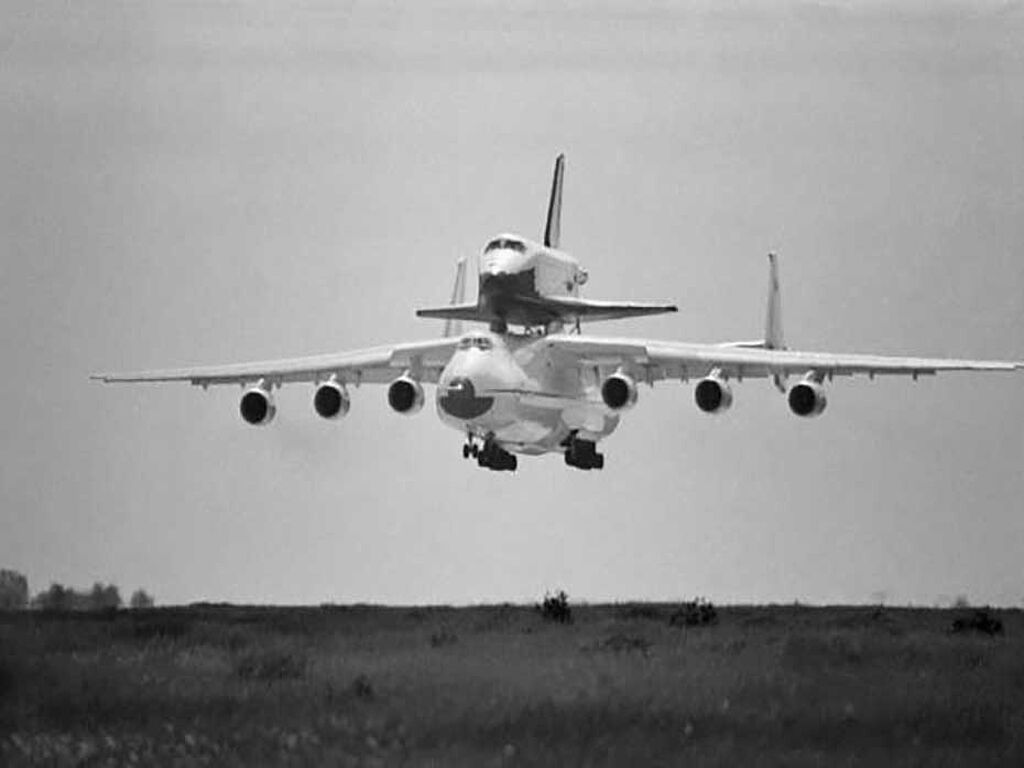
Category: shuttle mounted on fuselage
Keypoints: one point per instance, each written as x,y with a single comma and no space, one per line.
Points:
526,283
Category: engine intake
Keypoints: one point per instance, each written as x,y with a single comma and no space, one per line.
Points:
619,392
807,398
713,394
257,406
405,395
330,400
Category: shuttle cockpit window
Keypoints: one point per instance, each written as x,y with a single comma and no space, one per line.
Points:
505,243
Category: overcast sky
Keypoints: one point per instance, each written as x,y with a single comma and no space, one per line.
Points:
196,183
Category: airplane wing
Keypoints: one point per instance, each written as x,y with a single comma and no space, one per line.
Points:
652,361
377,365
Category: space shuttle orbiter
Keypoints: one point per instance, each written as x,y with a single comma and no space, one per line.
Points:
533,284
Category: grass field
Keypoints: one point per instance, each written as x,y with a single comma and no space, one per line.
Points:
500,685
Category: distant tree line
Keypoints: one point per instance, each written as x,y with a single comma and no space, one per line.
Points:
14,596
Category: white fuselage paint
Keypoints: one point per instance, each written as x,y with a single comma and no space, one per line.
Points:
536,404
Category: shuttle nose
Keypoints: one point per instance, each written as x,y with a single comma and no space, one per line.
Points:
459,399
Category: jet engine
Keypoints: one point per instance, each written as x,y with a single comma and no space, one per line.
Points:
713,394
619,392
807,398
331,400
257,406
405,395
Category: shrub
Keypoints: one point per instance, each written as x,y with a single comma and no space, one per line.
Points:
361,687
978,621
695,613
140,599
556,608
102,597
442,637
13,591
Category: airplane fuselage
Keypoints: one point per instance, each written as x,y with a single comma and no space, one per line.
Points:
508,388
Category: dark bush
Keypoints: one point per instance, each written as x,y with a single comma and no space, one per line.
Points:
361,687
556,608
271,665
140,599
13,591
978,621
695,613
60,599
442,637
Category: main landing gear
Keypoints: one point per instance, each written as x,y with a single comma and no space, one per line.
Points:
490,455
583,454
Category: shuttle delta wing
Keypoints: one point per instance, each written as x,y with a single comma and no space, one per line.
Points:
424,360
656,360
536,310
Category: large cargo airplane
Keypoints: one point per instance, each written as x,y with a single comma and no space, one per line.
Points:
530,382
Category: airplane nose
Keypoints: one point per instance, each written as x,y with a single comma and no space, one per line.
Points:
459,399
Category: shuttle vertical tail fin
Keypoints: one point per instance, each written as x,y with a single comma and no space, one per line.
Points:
553,228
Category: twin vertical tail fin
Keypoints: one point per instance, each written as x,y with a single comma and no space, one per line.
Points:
773,338
553,228
453,326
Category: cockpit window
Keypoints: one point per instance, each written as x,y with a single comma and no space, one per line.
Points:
505,243
480,342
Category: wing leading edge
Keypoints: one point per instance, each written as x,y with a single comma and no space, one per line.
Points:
376,365
656,360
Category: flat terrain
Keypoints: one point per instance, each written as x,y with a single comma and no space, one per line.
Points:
501,685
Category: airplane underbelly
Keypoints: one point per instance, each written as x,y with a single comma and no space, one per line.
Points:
507,419
529,423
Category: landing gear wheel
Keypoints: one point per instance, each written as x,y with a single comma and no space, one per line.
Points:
583,454
465,450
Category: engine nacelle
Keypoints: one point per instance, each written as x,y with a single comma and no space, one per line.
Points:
330,400
619,392
405,395
713,394
807,398
257,406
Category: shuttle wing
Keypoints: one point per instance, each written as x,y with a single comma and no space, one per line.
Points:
533,310
377,365
655,360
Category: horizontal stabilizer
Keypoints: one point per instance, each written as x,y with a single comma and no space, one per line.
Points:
455,312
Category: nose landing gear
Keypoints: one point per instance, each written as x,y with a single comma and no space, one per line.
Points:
583,454
491,456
